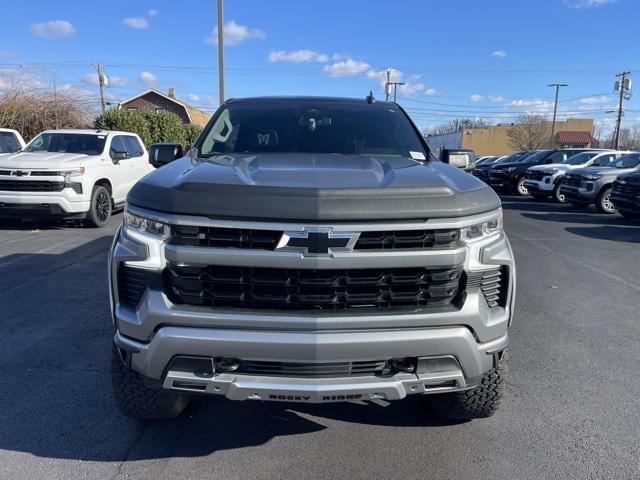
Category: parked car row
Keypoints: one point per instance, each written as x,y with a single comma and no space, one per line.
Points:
607,178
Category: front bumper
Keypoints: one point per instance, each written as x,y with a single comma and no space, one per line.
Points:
155,330
580,194
45,204
471,360
502,181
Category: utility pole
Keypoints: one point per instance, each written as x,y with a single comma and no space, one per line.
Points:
220,53
555,110
395,89
101,84
387,85
624,85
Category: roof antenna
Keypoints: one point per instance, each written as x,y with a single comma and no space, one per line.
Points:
370,98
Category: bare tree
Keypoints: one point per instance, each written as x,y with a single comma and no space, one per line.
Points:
531,132
29,108
456,125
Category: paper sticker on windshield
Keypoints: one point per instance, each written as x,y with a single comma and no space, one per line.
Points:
417,155
101,137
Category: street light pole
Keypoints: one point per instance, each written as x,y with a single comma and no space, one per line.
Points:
220,53
555,110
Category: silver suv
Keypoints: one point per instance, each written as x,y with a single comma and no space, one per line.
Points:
310,250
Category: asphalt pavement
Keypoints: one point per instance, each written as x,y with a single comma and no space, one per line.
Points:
571,409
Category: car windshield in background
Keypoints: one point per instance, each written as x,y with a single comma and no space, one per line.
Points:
81,143
627,161
580,158
312,127
8,142
534,157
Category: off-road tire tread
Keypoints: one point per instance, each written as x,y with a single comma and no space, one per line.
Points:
136,400
599,199
92,220
479,402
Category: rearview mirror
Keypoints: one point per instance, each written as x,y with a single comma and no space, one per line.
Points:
162,153
463,159
117,156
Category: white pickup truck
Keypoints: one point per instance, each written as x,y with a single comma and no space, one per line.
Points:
10,141
79,174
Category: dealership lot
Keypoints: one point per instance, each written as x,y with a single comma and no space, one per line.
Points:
569,412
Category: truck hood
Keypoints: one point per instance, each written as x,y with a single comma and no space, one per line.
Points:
312,187
44,160
600,171
562,167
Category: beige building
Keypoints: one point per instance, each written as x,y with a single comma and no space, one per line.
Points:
573,132
155,101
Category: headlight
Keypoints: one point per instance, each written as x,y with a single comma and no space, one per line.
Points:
480,231
72,172
592,178
145,225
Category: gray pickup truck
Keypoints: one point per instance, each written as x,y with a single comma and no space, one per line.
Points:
310,250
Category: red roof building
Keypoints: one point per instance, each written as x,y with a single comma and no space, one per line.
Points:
575,139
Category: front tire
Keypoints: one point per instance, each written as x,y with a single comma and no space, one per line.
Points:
138,401
100,208
479,402
604,203
521,189
558,196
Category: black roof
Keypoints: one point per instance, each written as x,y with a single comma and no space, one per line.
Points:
306,99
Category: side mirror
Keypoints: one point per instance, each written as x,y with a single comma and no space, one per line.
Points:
463,159
117,156
162,153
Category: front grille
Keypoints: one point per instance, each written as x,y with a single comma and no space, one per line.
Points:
299,369
626,190
572,180
408,239
132,283
535,175
492,283
5,172
225,237
30,186
297,289
220,237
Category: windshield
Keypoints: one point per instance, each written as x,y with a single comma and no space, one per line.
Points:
312,127
85,144
627,161
534,157
514,157
580,158
9,142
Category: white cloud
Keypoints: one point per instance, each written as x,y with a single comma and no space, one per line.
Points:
346,68
597,100
192,97
53,29
148,78
497,98
412,85
587,3
336,57
430,92
298,56
234,33
476,98
533,105
499,54
139,23
152,13
6,53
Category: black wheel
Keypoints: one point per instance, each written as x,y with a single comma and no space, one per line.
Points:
136,400
630,215
479,402
100,209
604,203
558,196
521,189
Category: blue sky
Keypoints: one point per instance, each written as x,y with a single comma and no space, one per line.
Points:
489,59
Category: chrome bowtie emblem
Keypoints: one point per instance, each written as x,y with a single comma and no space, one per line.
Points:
20,173
322,241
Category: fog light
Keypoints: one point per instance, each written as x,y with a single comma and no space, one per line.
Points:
227,364
404,365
